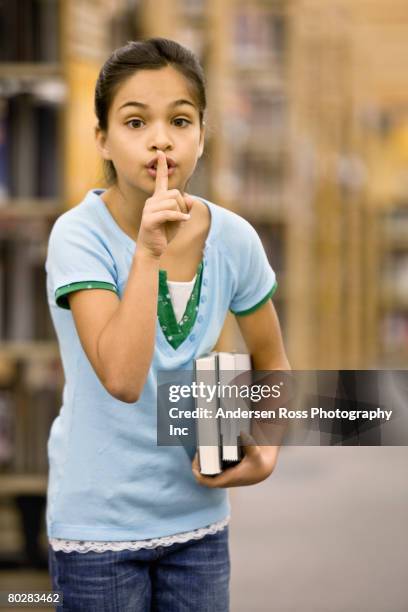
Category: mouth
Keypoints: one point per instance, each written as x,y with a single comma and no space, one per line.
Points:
153,171
153,163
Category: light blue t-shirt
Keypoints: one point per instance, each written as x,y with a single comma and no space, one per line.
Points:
108,478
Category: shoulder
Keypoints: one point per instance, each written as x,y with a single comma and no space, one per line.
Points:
232,231
81,234
80,247
82,220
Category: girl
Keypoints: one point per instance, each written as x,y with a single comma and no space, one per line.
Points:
133,525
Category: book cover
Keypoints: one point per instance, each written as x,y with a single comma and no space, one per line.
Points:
208,429
218,437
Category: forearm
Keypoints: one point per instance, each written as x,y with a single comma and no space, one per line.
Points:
126,344
269,435
267,363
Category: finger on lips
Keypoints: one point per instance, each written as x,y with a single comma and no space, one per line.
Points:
185,201
162,180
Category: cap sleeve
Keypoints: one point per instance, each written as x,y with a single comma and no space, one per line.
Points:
77,258
256,279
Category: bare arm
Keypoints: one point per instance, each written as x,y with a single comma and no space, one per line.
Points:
263,338
262,334
118,335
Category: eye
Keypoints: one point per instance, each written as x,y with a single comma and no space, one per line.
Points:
133,121
182,119
138,121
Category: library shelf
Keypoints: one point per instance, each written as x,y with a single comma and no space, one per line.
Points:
37,349
27,484
396,360
30,70
397,243
22,208
270,211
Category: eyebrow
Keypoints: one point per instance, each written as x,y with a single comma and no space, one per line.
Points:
171,105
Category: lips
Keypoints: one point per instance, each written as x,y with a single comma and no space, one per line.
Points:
153,171
153,162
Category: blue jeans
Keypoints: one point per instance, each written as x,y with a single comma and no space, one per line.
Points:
189,577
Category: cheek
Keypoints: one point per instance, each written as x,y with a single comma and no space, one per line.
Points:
126,146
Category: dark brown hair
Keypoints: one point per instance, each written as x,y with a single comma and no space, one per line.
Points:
150,54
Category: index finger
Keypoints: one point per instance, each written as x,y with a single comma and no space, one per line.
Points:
161,173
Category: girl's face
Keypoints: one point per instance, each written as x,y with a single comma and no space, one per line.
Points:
152,110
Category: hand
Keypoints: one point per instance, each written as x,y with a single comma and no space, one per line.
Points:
257,464
163,213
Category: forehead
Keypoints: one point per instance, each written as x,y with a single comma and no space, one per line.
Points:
155,88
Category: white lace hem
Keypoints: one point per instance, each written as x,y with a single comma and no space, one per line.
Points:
83,546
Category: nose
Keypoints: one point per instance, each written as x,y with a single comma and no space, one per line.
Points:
160,138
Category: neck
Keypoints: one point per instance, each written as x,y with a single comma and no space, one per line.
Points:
126,207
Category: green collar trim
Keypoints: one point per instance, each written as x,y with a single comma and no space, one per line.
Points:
175,332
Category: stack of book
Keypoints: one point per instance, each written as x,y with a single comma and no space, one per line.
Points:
218,441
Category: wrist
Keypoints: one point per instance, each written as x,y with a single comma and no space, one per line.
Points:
146,256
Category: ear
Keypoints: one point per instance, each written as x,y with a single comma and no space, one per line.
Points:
202,138
101,142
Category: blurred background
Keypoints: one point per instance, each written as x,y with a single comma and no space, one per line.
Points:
307,138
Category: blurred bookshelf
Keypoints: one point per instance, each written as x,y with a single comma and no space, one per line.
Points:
32,98
393,299
300,113
293,144
243,49
50,56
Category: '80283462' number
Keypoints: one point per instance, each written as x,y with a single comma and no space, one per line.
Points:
42,598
